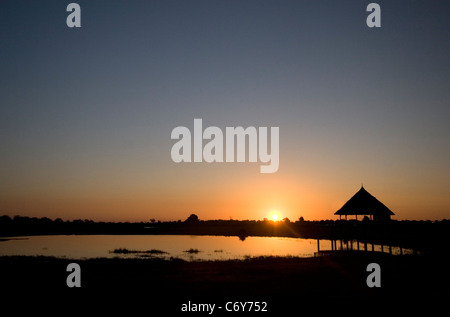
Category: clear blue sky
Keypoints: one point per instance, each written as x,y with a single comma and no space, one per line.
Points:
86,114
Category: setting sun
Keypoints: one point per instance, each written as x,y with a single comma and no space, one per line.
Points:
274,217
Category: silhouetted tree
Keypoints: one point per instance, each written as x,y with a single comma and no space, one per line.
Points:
193,218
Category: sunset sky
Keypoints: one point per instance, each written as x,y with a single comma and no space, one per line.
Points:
86,113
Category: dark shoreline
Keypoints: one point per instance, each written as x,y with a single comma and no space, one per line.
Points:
280,281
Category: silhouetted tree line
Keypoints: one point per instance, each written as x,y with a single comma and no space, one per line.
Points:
19,225
422,235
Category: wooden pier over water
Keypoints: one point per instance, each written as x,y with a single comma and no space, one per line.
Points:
353,245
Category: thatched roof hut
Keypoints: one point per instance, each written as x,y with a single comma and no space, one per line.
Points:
363,203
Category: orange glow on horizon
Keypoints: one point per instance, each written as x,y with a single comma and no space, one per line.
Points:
241,196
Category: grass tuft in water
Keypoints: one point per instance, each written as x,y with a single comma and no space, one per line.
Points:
126,251
192,251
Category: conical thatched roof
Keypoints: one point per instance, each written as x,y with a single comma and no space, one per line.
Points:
363,203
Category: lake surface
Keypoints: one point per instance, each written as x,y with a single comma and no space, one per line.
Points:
186,247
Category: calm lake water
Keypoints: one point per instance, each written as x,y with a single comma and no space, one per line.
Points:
178,246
